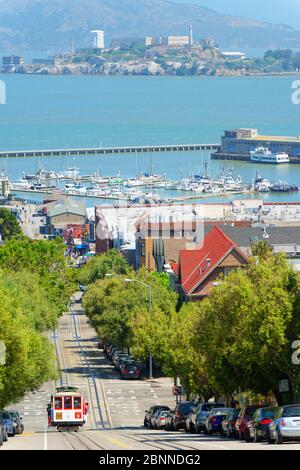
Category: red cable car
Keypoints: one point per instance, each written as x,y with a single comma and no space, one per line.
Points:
67,409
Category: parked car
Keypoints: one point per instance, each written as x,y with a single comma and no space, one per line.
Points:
123,362
229,422
285,426
180,414
118,353
259,423
241,425
151,411
214,420
198,418
18,420
161,418
2,432
8,421
131,371
190,423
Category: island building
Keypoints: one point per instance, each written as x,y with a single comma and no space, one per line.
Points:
237,144
234,55
12,60
98,42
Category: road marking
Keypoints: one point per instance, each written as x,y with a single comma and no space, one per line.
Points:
45,439
116,442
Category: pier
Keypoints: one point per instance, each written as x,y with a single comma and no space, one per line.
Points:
108,150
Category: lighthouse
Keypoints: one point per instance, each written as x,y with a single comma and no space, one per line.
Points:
191,40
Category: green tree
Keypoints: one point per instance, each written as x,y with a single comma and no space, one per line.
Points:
9,225
248,325
99,266
112,304
46,259
181,358
29,355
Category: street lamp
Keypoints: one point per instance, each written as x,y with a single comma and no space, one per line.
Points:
150,309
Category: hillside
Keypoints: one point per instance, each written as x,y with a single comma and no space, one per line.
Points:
54,24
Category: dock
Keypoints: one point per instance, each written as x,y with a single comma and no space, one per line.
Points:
109,150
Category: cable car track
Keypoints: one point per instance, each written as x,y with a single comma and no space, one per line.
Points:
81,440
155,445
85,363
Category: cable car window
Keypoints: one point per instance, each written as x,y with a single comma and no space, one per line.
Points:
77,403
68,403
58,403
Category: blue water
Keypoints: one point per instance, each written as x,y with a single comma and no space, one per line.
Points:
63,111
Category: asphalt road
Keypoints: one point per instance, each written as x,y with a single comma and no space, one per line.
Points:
116,406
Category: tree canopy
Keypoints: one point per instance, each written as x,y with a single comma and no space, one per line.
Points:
35,288
9,225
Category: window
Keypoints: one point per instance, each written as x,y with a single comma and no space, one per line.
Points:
68,403
58,403
77,403
143,249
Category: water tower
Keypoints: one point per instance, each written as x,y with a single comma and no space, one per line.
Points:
98,39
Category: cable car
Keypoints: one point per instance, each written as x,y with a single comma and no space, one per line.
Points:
67,409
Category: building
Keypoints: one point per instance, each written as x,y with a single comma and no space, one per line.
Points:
282,239
161,244
237,144
176,41
234,55
128,42
48,61
12,60
63,213
198,270
98,42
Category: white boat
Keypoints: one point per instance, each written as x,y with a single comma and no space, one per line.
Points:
264,155
261,184
71,173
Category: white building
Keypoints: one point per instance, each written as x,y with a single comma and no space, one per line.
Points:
234,55
176,40
98,39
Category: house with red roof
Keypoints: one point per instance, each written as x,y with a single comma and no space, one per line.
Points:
198,270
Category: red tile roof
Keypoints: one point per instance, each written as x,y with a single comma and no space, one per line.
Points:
195,265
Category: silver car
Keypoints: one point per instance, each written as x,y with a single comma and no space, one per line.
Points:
285,426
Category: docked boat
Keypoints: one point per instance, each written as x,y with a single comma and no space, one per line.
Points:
70,174
261,184
264,155
281,187
147,179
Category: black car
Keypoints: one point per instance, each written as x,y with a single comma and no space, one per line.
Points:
180,414
151,411
259,423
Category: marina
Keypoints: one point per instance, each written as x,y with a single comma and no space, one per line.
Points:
145,187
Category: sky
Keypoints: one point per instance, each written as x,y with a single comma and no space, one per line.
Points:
273,11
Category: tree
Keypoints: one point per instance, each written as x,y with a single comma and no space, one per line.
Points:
29,355
99,266
181,358
46,259
9,226
248,325
113,306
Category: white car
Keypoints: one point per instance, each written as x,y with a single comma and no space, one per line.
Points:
285,426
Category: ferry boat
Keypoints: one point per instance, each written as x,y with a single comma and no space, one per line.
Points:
264,155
